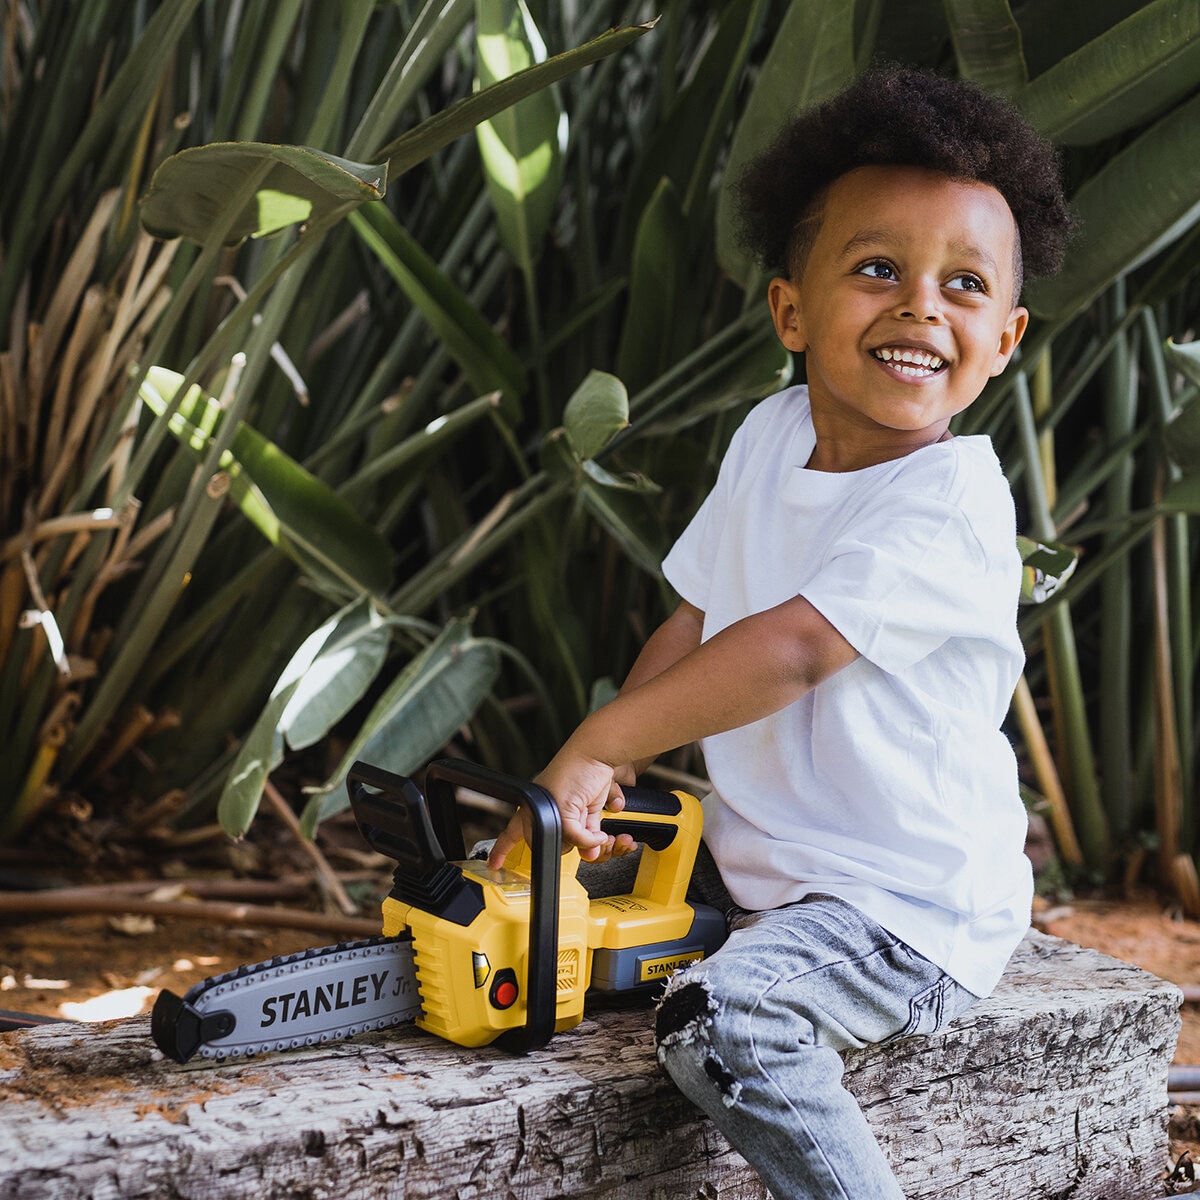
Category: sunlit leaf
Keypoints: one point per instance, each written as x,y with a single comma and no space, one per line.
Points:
432,134
522,146
190,191
339,675
1046,566
417,715
261,750
290,507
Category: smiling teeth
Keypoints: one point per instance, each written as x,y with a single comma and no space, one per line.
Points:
910,362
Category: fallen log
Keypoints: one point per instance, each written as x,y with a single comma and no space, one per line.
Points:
1055,1087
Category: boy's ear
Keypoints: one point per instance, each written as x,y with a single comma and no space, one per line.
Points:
784,298
1011,337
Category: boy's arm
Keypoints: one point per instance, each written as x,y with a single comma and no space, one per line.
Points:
676,637
748,671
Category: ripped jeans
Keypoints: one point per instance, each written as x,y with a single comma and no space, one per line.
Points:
752,1034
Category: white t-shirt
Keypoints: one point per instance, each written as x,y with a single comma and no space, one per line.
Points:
890,784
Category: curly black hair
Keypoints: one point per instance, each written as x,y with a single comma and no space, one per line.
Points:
899,116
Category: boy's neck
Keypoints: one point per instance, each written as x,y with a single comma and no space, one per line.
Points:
839,455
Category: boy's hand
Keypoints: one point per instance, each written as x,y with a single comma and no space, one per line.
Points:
582,788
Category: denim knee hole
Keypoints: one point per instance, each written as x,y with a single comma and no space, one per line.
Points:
685,1015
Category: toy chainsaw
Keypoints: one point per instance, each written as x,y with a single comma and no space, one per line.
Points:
471,954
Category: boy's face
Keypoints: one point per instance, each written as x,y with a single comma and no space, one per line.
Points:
904,310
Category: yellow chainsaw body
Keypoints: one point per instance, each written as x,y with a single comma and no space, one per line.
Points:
473,978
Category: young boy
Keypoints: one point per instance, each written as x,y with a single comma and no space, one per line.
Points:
846,644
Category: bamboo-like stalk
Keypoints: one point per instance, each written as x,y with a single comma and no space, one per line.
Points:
8,438
132,655
127,735
73,279
1179,585
52,527
1186,883
34,792
1046,772
117,563
12,590
1073,739
1119,392
1168,784
82,335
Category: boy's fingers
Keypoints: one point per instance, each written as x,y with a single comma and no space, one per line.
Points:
616,797
508,838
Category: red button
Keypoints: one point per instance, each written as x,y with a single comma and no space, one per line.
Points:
505,994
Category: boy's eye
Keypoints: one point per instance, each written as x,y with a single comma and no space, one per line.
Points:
877,268
967,283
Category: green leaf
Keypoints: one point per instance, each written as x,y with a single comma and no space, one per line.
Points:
1140,201
338,677
1182,433
629,482
596,412
628,520
432,134
260,753
190,190
262,748
1046,566
1182,496
417,715
292,509
521,147
811,57
687,142
1116,81
1184,357
658,274
603,691
481,353
752,371
987,44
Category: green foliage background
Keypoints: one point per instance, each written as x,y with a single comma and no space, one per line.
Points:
401,473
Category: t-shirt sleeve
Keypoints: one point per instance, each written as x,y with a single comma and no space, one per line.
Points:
915,571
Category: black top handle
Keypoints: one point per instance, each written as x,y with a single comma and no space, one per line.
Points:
541,1000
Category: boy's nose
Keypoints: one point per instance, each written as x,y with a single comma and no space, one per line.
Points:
920,301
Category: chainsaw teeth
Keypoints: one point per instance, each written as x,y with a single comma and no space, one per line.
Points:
304,999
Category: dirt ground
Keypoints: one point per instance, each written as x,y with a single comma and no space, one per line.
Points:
97,966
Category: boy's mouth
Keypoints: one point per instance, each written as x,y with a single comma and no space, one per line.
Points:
916,363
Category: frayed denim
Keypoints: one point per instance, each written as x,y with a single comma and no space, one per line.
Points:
752,1036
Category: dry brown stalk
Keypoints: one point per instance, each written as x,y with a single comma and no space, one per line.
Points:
327,877
35,903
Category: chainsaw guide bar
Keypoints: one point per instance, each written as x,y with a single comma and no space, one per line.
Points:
295,1000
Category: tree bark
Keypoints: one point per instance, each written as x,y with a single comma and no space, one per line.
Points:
1054,1088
